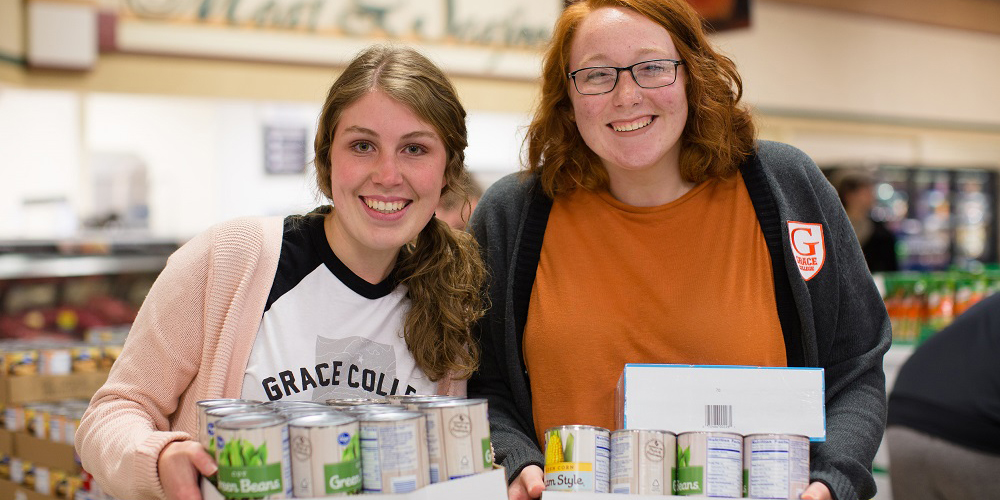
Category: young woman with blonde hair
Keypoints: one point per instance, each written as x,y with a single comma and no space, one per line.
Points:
366,297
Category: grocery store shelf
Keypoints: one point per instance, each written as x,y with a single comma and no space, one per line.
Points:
27,266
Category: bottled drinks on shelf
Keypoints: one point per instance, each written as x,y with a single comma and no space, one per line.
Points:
921,303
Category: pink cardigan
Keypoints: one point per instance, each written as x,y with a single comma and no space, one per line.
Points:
191,341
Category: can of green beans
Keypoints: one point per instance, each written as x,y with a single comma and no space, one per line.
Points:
253,456
326,455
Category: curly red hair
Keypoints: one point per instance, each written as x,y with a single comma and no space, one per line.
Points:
719,132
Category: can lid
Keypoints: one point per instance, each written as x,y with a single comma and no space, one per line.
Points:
356,410
355,401
393,416
448,403
291,404
327,419
298,411
423,398
775,435
578,427
664,431
226,410
250,421
712,433
207,403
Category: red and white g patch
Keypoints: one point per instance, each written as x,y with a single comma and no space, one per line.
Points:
808,247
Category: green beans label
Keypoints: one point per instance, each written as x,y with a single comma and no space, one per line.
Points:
487,454
689,480
250,482
343,477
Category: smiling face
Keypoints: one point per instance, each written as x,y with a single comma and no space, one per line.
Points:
387,173
635,131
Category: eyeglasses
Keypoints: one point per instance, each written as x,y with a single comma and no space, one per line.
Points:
647,74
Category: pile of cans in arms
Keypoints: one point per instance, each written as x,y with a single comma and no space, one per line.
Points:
657,462
302,449
29,358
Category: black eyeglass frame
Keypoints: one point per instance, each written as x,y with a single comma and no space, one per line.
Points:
618,72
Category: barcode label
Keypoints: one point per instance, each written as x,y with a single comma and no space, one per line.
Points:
403,484
719,416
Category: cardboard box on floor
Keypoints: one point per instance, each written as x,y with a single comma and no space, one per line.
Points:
6,443
740,399
45,453
35,388
485,486
7,489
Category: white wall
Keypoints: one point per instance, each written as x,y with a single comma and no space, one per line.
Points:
39,163
205,156
824,63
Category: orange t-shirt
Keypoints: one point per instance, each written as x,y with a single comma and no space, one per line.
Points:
687,282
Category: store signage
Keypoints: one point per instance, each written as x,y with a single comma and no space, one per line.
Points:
464,36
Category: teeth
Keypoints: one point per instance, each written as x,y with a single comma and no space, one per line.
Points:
636,125
385,207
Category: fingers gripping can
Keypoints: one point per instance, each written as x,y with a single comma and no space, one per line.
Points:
253,456
710,464
394,452
775,465
458,438
326,455
577,458
643,461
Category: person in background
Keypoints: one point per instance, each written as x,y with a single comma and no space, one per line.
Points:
456,209
856,189
372,283
944,412
650,227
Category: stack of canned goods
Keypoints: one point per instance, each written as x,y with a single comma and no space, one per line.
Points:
658,462
56,421
347,446
56,358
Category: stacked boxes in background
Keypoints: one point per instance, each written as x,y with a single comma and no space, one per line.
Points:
42,404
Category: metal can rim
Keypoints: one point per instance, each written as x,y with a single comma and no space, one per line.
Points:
395,416
578,426
250,421
321,420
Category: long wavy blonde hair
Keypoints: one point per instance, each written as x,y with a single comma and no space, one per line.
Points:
442,268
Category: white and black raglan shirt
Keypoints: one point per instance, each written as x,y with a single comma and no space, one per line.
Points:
327,333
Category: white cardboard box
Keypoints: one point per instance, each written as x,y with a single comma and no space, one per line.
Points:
740,399
575,495
487,486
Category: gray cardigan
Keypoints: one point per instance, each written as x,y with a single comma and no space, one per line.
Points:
835,320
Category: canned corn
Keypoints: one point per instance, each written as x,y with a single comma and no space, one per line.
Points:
577,458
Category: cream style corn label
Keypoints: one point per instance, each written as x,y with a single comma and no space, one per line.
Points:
577,459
